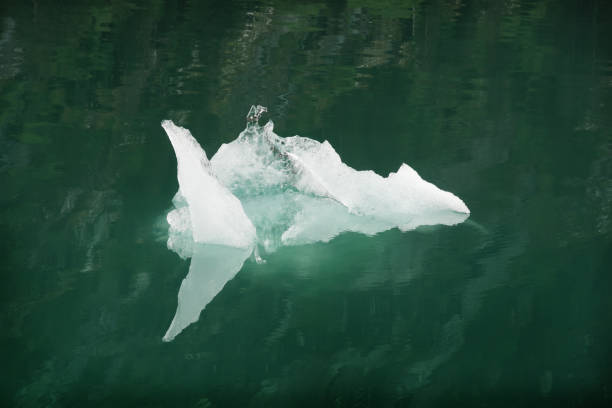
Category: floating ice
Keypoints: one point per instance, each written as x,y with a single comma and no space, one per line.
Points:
204,207
265,191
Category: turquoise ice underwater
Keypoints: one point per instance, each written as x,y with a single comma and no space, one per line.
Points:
263,191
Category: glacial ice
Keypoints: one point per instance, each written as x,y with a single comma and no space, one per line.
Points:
265,191
204,206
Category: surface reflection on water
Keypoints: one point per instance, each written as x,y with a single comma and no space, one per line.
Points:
212,266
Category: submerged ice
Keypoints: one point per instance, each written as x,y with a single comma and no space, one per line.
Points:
265,191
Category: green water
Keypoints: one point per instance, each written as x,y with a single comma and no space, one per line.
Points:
507,104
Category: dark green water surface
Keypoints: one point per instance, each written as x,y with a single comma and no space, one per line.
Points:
508,104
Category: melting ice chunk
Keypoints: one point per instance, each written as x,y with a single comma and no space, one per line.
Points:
262,190
311,195
211,212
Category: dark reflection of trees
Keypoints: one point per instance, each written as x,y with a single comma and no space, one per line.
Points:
509,100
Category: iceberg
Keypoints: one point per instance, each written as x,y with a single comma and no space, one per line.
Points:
265,191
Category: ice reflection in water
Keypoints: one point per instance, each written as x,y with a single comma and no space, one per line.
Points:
262,190
211,267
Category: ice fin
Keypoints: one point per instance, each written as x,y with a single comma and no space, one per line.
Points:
216,216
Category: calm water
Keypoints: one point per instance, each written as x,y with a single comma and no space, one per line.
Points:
507,104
